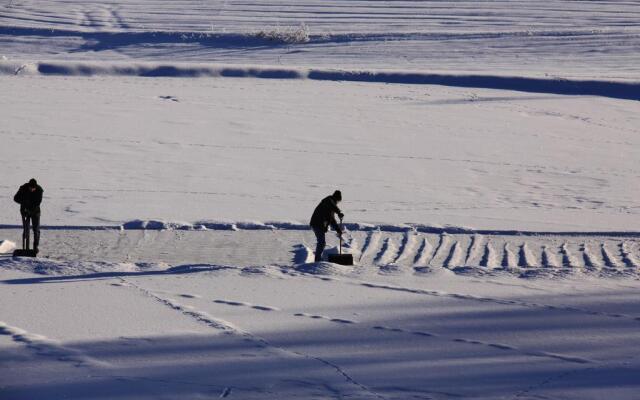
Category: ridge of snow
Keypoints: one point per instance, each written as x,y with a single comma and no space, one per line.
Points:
158,225
7,246
629,90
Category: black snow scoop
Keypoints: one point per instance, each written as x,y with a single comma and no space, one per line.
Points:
25,251
342,259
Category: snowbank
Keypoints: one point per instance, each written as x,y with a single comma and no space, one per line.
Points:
324,268
6,246
159,225
607,88
597,39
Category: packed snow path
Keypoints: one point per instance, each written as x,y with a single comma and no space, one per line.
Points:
557,37
375,251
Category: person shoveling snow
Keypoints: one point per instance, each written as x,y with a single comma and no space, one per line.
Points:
29,196
323,217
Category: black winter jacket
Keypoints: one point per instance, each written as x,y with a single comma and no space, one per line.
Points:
324,215
29,201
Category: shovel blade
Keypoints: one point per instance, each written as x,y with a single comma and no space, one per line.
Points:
25,253
342,259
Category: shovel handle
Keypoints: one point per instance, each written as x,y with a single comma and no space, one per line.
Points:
342,231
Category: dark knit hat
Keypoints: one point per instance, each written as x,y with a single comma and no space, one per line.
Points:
33,182
337,195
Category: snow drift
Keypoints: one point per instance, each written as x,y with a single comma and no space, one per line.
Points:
629,90
7,246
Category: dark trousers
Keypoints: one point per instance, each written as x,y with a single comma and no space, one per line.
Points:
32,219
322,242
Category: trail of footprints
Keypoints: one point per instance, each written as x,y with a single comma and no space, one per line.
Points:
422,334
394,252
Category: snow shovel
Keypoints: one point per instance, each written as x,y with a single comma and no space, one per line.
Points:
342,259
25,251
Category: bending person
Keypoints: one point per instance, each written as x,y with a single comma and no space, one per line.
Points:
323,217
29,197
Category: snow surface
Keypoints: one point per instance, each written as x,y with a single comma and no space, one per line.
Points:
563,38
488,156
199,149
256,321
7,246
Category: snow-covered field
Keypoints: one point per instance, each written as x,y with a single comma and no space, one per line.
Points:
487,153
554,37
109,150
238,314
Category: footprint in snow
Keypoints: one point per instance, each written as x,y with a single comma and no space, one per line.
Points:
171,98
254,306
